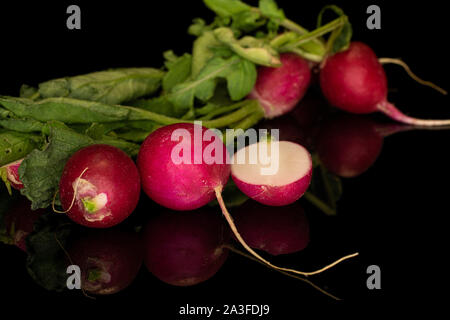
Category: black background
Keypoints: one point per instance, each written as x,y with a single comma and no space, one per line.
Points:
393,214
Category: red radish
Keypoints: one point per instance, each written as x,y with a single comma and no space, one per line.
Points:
20,222
185,248
12,174
280,89
187,184
354,80
281,231
99,187
109,260
289,168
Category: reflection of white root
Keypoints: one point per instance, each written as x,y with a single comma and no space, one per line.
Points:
257,256
411,74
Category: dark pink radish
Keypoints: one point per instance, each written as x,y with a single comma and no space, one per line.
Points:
281,231
280,89
185,248
20,221
172,178
289,170
354,80
12,174
109,260
99,187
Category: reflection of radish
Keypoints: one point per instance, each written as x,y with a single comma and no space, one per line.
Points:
12,174
354,80
20,222
349,145
281,231
185,249
172,178
109,260
285,181
279,89
100,186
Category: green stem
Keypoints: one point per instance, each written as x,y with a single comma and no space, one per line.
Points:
221,110
319,204
291,25
252,107
315,34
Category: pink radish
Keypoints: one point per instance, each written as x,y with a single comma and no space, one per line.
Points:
187,185
354,80
109,260
99,187
12,174
184,249
290,179
280,89
281,231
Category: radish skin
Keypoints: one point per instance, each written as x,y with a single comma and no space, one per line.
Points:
280,89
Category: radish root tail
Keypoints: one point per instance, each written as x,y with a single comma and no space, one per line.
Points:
411,74
74,195
230,221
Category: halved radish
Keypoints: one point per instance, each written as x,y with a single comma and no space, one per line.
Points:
278,179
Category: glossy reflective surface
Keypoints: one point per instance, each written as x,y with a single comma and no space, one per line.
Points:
390,206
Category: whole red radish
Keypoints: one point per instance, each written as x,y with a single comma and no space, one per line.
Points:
100,186
354,80
12,174
280,179
281,231
170,175
280,89
185,248
109,260
349,145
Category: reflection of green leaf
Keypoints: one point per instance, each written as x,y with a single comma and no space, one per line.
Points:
47,261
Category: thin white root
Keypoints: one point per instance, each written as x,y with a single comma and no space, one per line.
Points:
256,255
411,74
74,195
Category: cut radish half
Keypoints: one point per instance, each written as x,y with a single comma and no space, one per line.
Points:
273,173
